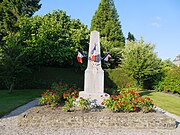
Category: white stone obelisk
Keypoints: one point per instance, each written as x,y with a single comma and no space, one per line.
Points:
94,74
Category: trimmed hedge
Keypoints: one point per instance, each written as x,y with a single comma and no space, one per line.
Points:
171,82
117,78
43,77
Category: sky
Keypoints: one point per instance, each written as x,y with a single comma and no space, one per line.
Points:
157,21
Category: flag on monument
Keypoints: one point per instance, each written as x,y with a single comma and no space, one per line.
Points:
93,52
84,55
107,57
80,56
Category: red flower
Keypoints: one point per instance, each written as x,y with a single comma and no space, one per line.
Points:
53,92
106,95
64,95
137,94
120,96
142,100
136,100
75,97
102,103
114,97
76,92
127,87
70,88
135,108
131,92
125,95
120,104
48,90
69,93
48,101
43,95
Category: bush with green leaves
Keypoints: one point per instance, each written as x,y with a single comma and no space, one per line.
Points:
13,65
52,39
140,61
117,78
170,82
84,104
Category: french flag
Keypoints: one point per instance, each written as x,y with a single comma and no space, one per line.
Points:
93,52
80,56
107,57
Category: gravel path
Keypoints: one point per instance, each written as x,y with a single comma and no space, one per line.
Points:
9,126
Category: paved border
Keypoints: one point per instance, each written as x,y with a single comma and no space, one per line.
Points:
22,108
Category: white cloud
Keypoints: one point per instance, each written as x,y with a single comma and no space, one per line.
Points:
155,24
157,21
158,18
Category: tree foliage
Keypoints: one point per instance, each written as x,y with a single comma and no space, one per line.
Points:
52,39
11,11
170,82
140,61
12,64
106,21
130,37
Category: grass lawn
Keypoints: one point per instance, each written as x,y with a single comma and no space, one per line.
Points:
8,102
168,102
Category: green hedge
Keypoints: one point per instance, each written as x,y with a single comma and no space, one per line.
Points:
43,77
117,78
171,81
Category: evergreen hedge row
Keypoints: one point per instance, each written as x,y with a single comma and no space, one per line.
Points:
43,77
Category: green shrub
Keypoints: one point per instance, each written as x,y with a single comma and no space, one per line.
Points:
171,81
117,78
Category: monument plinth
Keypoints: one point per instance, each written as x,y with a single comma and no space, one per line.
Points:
94,74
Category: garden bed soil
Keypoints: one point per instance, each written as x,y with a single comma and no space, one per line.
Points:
44,116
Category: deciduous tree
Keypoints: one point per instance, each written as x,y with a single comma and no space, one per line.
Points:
140,61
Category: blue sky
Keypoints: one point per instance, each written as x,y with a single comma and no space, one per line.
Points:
158,21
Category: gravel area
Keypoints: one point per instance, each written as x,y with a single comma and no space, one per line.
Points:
9,125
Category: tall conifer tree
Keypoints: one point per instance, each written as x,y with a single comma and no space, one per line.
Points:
130,37
106,21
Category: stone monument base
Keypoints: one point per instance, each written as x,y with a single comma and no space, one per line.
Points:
97,98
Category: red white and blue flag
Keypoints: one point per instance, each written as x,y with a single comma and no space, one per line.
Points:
93,52
107,57
80,56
